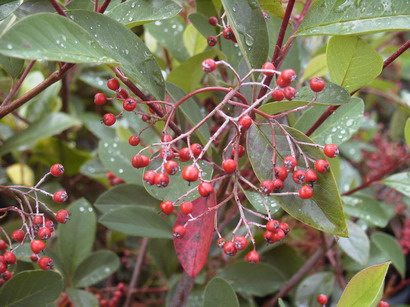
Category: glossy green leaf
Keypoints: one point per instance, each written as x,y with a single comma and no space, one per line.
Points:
81,298
201,23
124,195
399,182
260,202
345,17
317,67
284,258
312,286
65,41
389,246
324,210
116,157
249,26
31,288
219,293
7,7
95,268
137,221
274,7
137,12
193,40
93,168
349,176
357,245
76,237
352,62
407,131
254,279
52,124
31,7
162,253
12,66
341,124
125,47
363,288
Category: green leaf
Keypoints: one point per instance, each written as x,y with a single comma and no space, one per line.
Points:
51,124
324,210
274,7
399,182
281,303
137,12
219,293
137,221
95,268
249,26
389,246
81,298
193,40
116,157
7,7
31,288
311,287
336,17
284,258
124,195
162,253
407,131
65,41
125,47
357,245
260,202
363,288
76,237
317,67
12,66
341,124
352,62
254,279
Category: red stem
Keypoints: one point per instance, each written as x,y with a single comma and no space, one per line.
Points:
104,6
58,8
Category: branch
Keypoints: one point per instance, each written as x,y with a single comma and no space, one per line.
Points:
183,291
58,8
104,6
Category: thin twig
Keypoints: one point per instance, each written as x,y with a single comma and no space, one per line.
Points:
58,8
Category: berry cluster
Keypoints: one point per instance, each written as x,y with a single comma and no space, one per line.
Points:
36,226
226,31
114,180
405,237
116,294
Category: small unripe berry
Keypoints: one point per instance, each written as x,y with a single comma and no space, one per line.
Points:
18,235
240,242
167,207
171,167
205,189
331,150
310,176
208,65
229,165
299,176
317,84
149,177
322,299
129,104
57,170
213,21
179,232
278,95
322,166
230,249
113,84
134,140
100,98
161,180
109,119
62,216
37,246
190,173
60,196
252,257
268,66
212,40
45,263
305,192
290,162
186,207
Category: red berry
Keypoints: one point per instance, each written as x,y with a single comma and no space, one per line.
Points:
3,267
100,98
7,275
288,75
37,246
285,227
229,165
267,187
305,192
38,220
228,33
331,150
310,176
383,304
18,235
129,104
205,189
279,235
268,236
146,118
230,249
233,38
290,162
278,185
282,83
62,216
220,242
161,180
186,207
212,40
113,84
167,153
322,299
213,21
190,173
317,84
184,154
272,225
149,177
278,95
9,258
281,173
34,257
45,263
117,293
60,196
44,233
57,170
109,119
3,245
252,257
268,66
299,176
50,225
110,175
122,94
171,167
240,242
167,207
166,138
134,140
241,151
196,149
290,92
179,232
140,161
208,65
322,166
245,122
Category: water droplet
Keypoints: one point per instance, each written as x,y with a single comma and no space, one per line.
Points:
349,122
105,144
115,145
158,23
130,19
81,209
9,46
90,210
249,40
234,9
133,5
112,159
121,171
166,30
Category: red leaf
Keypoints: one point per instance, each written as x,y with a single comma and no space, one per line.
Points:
193,248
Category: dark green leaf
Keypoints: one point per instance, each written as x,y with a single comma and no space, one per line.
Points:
76,237
312,286
125,47
81,298
399,182
65,41
389,246
12,66
93,123
249,26
284,258
95,268
31,288
219,293
52,124
137,12
137,221
337,17
162,253
260,202
357,245
7,7
324,210
93,168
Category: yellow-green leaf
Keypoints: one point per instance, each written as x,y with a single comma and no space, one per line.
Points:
20,174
